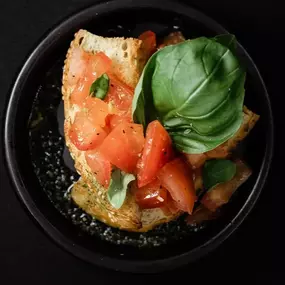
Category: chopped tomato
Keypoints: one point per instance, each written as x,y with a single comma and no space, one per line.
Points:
120,95
170,208
96,65
123,146
77,65
157,151
96,110
149,41
84,134
88,129
152,195
99,166
112,120
176,176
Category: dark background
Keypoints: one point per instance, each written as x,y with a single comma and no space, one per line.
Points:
26,254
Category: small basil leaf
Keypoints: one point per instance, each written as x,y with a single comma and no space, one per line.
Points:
118,187
218,171
100,87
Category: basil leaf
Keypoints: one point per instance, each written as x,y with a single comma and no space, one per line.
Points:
142,100
228,41
118,187
197,92
100,87
218,171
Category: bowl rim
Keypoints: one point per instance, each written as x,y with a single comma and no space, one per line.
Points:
55,234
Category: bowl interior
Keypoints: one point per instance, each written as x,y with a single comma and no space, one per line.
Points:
38,88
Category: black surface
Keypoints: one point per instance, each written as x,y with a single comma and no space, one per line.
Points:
27,254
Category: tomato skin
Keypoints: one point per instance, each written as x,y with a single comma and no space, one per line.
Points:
84,134
120,95
176,176
123,146
149,41
99,166
112,120
88,129
152,195
170,208
157,151
96,65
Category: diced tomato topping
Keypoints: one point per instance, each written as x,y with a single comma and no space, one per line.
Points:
96,110
88,129
84,134
77,66
152,195
120,95
170,208
157,151
99,166
176,176
149,41
123,146
112,120
96,65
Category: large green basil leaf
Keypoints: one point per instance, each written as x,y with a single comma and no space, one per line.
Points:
118,187
217,171
197,90
142,105
228,41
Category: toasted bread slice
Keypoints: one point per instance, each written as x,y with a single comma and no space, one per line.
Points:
224,150
128,59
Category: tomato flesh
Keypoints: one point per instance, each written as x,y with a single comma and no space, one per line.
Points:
153,195
149,41
99,166
120,95
96,65
123,146
88,129
157,151
176,176
112,120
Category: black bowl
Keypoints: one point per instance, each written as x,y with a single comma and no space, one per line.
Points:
34,151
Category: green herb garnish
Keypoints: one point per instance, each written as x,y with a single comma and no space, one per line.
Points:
218,171
196,90
118,187
100,87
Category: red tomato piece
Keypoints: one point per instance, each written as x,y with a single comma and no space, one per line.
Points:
84,134
77,65
170,208
88,129
153,195
123,146
149,41
157,151
99,166
176,176
112,120
96,110
120,95
96,65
